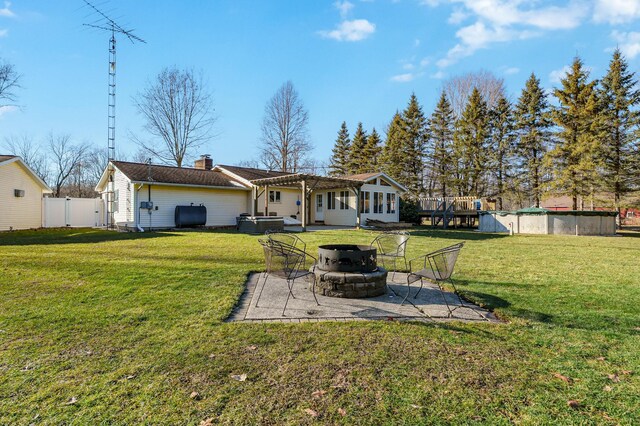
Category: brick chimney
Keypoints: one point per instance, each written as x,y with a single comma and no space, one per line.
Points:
205,162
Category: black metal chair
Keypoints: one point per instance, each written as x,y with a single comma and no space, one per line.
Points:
438,267
392,245
285,261
286,239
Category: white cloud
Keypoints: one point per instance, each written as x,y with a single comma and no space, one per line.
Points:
457,16
355,30
629,43
497,21
7,109
6,10
479,36
344,7
616,11
556,75
511,70
416,42
438,75
4,32
405,78
424,62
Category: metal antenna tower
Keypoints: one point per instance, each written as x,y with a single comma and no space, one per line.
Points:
105,23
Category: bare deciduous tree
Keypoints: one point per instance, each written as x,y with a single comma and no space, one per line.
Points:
65,158
285,140
24,147
179,112
9,81
459,88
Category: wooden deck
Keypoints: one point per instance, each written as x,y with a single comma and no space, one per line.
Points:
449,211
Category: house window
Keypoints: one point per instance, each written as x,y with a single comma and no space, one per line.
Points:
365,202
331,200
116,201
274,196
391,203
630,213
344,200
378,202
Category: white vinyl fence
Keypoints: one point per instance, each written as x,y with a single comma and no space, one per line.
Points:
72,212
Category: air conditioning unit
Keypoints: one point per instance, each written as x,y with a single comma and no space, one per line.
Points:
18,192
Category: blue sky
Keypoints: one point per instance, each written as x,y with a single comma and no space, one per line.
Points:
350,60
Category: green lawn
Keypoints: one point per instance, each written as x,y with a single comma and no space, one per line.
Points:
129,325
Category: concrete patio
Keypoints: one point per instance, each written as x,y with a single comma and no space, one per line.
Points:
429,306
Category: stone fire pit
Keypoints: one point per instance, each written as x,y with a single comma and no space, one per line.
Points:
349,270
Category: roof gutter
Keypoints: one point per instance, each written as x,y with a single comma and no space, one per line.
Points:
241,188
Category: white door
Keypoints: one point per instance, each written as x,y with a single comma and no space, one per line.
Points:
319,207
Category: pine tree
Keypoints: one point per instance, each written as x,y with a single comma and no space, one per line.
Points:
372,151
441,138
574,157
619,96
502,146
533,136
357,158
392,156
414,144
339,163
471,139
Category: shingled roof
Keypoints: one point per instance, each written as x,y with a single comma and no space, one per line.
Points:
361,176
4,158
249,173
140,172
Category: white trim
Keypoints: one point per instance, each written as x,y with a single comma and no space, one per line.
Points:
186,185
45,188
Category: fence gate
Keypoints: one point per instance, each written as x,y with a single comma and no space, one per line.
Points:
72,212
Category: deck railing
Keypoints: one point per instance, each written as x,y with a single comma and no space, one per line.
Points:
448,203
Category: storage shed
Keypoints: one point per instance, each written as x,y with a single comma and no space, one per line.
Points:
21,192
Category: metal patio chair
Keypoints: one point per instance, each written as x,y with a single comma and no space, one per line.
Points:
287,239
392,245
288,262
438,267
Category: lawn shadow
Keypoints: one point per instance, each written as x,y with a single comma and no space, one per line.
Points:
73,236
452,234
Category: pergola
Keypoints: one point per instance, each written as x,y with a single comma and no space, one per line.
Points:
307,183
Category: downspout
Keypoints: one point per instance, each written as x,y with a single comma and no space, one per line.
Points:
137,217
150,210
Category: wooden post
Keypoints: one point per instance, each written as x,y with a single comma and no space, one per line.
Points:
304,205
254,201
266,200
358,219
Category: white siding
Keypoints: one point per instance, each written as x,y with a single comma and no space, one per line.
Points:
223,205
287,205
348,217
337,216
386,217
19,212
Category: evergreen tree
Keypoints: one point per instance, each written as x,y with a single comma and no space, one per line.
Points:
471,139
574,157
392,156
502,146
414,145
532,124
619,96
339,163
441,137
357,158
372,151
